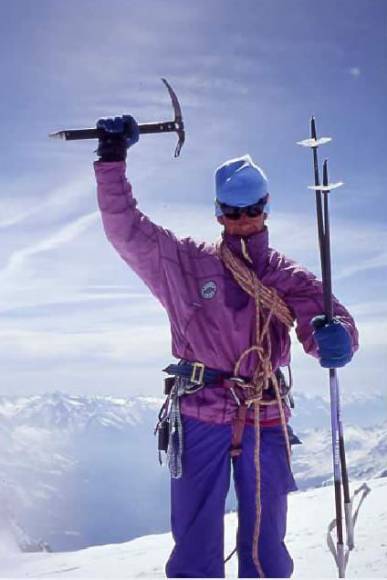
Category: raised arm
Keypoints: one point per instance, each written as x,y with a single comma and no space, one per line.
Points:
142,244
151,251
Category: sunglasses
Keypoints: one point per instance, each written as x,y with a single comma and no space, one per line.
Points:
234,213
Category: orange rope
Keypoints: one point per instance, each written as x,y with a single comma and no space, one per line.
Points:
244,276
271,301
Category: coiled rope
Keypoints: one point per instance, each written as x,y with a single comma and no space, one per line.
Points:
268,299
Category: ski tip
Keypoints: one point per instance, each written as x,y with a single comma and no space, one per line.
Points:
57,135
326,188
313,143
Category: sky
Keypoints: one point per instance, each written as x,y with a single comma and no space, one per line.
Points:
248,74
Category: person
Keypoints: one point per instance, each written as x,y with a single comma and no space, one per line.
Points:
230,305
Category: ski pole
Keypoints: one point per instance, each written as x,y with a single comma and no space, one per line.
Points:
324,244
338,446
340,464
333,379
319,212
177,126
337,441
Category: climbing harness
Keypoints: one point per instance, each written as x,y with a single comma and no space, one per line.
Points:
187,378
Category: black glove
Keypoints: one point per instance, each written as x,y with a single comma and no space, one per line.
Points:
116,136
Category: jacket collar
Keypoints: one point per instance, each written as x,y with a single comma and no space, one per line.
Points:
257,246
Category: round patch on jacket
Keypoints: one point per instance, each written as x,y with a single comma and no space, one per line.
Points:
208,290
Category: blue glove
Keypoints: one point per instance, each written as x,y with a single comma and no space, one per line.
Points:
334,342
116,136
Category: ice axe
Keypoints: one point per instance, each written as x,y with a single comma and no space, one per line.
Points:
177,126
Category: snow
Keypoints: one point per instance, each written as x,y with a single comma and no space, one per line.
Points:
309,514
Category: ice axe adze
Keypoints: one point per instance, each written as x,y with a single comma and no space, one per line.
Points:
177,126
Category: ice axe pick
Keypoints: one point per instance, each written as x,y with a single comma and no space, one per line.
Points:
177,126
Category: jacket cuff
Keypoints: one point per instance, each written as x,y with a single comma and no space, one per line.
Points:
109,171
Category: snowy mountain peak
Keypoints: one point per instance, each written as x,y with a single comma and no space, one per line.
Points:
57,410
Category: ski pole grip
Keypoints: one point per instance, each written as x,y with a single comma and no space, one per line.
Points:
319,321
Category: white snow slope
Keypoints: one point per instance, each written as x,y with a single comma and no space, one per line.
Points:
309,514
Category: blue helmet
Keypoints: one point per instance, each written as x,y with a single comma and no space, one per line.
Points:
239,182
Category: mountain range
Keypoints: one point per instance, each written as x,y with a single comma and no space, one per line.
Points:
80,471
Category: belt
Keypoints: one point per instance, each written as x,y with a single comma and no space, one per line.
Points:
197,372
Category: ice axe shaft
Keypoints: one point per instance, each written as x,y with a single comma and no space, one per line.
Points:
177,126
144,128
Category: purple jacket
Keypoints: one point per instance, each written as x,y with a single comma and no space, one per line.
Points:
211,317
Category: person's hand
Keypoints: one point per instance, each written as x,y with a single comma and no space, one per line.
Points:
116,136
334,342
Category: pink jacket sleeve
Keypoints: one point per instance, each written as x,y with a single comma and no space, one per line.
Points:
141,243
305,298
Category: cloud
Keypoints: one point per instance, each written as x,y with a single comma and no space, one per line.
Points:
68,270
54,206
125,343
355,72
364,265
64,235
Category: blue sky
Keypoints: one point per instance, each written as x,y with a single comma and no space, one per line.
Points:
249,74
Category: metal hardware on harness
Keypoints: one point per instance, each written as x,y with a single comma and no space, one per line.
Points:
168,385
163,435
238,380
235,396
197,373
170,426
241,384
162,428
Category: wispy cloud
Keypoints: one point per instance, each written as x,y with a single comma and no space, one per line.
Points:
56,203
127,344
364,265
22,272
63,236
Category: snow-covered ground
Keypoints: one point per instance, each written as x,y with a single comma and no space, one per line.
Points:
309,514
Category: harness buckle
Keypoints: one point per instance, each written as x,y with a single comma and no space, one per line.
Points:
197,373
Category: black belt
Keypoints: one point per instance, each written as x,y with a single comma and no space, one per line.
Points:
196,372
199,374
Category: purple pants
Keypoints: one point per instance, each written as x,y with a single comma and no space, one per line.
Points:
198,503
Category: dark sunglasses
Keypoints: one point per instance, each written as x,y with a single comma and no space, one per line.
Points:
232,212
